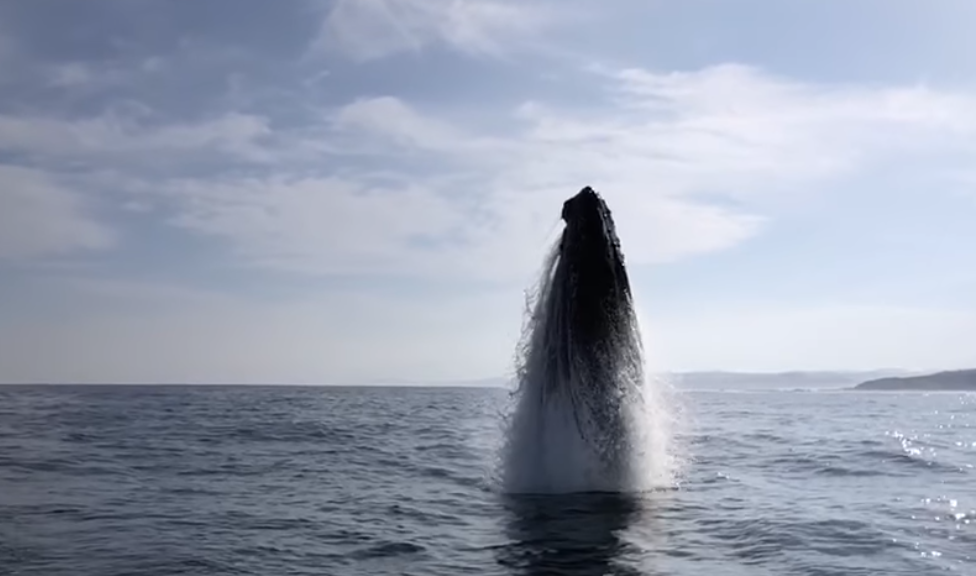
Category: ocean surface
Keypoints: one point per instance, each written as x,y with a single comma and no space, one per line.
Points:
107,481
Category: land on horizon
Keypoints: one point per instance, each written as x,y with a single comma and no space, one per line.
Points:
948,380
690,380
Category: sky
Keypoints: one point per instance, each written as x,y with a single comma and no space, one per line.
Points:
353,191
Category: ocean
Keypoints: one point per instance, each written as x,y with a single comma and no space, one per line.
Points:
235,480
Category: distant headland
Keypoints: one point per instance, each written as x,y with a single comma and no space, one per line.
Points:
954,380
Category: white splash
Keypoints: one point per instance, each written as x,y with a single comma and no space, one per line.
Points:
544,451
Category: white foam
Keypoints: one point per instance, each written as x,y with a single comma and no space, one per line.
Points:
543,451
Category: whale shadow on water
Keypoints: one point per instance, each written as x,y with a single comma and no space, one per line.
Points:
569,534
585,419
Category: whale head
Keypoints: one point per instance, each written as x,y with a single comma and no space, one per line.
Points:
589,253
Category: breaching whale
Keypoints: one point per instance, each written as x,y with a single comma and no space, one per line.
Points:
581,367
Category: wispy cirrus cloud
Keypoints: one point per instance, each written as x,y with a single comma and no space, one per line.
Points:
117,135
404,128
371,29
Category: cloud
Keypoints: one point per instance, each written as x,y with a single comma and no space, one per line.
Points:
39,218
690,162
401,126
372,29
326,225
186,150
120,135
737,129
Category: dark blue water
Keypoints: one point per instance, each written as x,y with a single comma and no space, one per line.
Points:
107,481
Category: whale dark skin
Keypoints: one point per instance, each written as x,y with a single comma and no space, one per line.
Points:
590,250
590,348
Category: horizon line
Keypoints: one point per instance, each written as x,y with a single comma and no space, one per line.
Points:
497,382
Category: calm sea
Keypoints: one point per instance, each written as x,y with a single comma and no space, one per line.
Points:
106,481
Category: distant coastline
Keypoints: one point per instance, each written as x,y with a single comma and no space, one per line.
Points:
868,380
954,380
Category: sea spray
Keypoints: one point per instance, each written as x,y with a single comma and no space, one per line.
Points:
584,416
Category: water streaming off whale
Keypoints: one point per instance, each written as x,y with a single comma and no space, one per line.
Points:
585,417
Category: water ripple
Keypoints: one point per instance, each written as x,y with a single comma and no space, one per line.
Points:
170,480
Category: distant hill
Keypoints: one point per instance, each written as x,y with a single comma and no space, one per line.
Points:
774,380
944,381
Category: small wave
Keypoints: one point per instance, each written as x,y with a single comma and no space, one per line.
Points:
844,471
388,550
906,464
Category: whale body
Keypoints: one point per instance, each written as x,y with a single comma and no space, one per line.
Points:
581,366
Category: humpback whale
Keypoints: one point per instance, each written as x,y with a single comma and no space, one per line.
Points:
580,396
